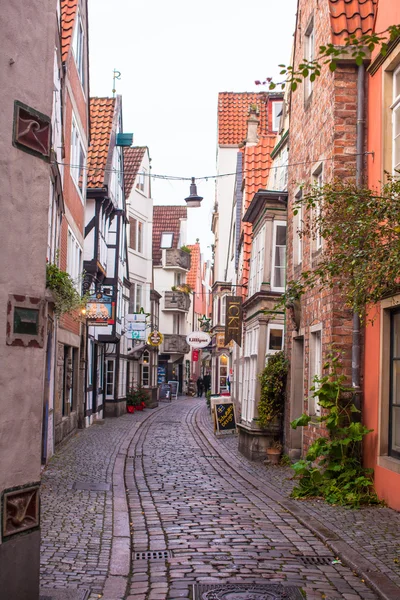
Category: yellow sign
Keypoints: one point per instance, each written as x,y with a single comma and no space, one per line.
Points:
155,338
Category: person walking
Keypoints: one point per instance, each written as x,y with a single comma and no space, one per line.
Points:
207,382
200,385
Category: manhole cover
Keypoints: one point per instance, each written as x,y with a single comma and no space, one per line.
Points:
315,560
91,486
246,591
153,555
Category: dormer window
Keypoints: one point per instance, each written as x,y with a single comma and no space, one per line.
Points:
166,240
277,109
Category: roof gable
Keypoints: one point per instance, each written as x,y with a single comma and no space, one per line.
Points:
166,219
233,112
101,121
191,277
132,160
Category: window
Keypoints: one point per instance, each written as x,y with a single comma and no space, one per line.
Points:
215,311
78,159
78,48
223,310
136,238
394,401
140,238
138,297
396,121
277,109
110,366
309,44
297,226
274,338
146,369
223,373
141,183
278,257
74,257
315,368
318,181
166,240
257,263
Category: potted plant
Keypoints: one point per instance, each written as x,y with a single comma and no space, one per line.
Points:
274,453
136,398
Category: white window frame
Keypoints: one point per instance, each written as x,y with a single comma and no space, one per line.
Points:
297,238
219,371
274,287
74,259
163,242
78,159
138,297
141,182
270,326
78,47
146,369
309,49
223,310
315,359
108,371
215,310
276,117
395,107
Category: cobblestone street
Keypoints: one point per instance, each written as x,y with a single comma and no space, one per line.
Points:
198,513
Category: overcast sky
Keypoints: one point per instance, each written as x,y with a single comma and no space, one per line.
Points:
174,58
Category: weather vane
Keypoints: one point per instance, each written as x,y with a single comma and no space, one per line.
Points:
116,75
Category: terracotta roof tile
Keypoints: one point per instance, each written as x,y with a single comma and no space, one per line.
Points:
191,278
257,164
101,119
233,111
68,13
351,16
166,219
132,160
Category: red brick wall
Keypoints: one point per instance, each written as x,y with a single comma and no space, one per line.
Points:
322,128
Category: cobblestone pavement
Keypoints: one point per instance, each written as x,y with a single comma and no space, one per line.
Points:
216,527
202,512
76,525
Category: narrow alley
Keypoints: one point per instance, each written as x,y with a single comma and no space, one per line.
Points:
154,506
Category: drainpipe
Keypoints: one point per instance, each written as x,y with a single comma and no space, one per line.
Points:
356,347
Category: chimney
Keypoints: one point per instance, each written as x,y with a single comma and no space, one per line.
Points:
252,126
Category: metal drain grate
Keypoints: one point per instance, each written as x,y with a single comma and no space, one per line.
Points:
315,560
246,590
153,555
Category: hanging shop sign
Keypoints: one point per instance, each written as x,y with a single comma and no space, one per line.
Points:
100,309
155,338
233,321
195,355
198,339
135,318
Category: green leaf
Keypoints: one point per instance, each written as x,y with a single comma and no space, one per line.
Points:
301,421
332,65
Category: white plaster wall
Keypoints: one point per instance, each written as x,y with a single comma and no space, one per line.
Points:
27,48
225,188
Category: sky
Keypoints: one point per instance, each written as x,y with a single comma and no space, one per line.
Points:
174,58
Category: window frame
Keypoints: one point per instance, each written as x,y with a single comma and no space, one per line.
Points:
275,126
274,287
309,47
76,154
315,362
78,48
74,259
318,180
107,383
298,240
163,246
395,108
391,451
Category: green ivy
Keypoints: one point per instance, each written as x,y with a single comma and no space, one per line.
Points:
273,384
66,297
332,468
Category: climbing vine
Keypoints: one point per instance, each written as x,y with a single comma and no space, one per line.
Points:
332,468
354,46
273,385
67,299
360,233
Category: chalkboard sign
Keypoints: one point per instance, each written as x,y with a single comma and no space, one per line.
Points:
174,389
225,417
165,392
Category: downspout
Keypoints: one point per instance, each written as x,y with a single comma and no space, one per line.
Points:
356,346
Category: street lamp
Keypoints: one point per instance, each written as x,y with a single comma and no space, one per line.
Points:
193,201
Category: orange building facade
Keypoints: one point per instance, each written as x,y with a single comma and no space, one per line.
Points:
381,408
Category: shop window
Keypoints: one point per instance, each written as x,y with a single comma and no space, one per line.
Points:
110,374
146,369
223,373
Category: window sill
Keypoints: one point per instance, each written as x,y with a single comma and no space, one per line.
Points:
390,463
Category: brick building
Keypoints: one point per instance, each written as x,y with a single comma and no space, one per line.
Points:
323,136
68,397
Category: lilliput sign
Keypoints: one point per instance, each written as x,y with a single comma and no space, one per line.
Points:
198,339
233,322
